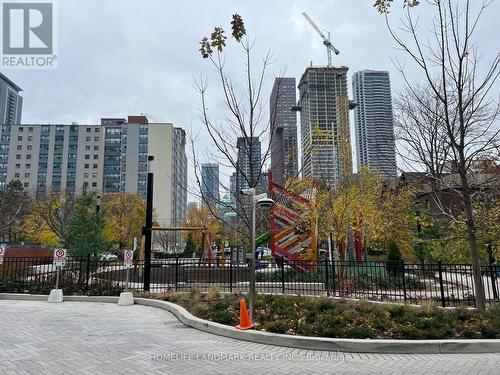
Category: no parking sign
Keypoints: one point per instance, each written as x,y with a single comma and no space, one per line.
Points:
128,256
59,257
2,253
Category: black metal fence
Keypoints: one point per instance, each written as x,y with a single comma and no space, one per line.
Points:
448,284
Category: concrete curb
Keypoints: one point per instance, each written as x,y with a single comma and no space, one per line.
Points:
302,342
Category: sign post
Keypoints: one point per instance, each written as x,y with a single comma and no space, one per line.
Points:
56,295
126,297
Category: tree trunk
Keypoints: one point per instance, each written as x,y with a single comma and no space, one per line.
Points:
474,253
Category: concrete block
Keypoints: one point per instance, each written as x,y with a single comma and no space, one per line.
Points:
56,296
126,299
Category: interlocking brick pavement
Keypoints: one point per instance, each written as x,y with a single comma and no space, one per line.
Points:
101,338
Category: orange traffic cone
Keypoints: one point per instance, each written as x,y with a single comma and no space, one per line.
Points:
245,322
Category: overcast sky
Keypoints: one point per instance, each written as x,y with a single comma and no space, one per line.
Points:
121,57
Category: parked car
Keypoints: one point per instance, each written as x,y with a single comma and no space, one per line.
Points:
108,257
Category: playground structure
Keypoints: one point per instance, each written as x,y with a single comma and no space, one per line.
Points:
293,221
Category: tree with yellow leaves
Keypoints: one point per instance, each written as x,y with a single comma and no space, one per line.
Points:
48,218
365,204
124,215
202,217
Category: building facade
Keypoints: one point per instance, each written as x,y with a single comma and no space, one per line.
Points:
324,124
210,183
109,158
283,125
248,164
374,127
11,102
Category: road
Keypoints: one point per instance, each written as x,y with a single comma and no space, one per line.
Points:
98,338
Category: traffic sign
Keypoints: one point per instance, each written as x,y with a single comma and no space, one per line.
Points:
59,257
128,256
2,254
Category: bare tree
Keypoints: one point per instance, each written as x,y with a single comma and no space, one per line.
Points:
239,136
461,87
14,206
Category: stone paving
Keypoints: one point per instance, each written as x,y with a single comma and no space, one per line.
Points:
100,338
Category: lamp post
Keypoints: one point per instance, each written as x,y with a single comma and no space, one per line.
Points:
147,230
263,202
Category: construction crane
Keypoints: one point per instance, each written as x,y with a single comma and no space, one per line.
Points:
326,41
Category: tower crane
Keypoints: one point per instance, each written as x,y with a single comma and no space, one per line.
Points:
326,41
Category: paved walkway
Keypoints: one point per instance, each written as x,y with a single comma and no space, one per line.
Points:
100,338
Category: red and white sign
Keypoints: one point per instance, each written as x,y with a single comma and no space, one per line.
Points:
2,254
59,257
128,257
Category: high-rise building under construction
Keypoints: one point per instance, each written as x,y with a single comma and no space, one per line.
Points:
324,120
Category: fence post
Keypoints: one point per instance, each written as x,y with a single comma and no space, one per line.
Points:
282,275
231,273
493,275
404,278
440,271
176,272
333,277
327,281
87,278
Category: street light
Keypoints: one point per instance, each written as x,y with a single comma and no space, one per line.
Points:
264,202
147,230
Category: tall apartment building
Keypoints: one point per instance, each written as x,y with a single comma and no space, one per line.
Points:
110,158
375,143
11,102
210,183
248,164
324,120
283,120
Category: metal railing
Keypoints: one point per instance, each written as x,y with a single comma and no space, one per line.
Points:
447,284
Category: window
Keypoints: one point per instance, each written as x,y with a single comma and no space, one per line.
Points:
86,166
96,148
26,184
87,148
94,175
19,147
17,175
46,128
87,139
97,130
86,175
96,157
89,130
20,138
60,128
59,138
18,156
30,129
28,156
30,138
26,175
96,139
28,166
87,157
29,147
96,166
94,184
21,129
